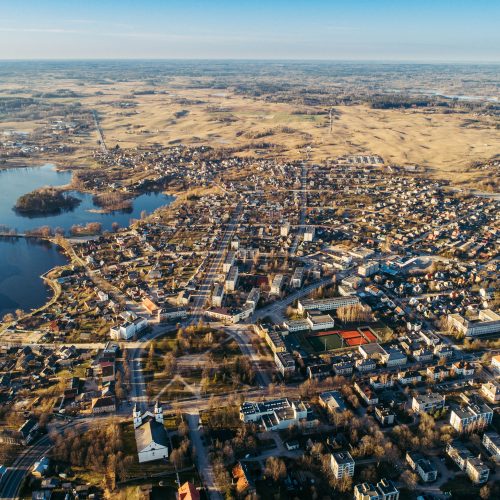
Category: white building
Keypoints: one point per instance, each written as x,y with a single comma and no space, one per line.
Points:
228,262
217,295
231,278
127,330
277,284
330,304
298,277
150,434
427,402
276,414
491,441
309,233
320,321
487,322
384,490
491,391
471,417
369,268
342,464
284,362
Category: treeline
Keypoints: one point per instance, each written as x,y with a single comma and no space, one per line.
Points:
99,449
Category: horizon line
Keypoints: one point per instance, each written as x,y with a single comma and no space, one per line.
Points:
233,59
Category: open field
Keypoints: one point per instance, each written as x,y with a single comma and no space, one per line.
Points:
190,110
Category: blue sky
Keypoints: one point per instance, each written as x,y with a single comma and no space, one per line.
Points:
419,30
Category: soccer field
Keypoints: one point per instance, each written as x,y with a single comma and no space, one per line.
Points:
329,341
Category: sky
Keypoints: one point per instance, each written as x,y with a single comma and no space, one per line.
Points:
399,30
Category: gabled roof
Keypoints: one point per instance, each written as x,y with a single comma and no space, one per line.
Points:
150,432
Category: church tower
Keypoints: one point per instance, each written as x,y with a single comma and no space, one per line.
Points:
158,413
137,417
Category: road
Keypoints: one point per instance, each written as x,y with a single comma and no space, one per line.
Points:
203,464
11,482
215,262
303,209
99,133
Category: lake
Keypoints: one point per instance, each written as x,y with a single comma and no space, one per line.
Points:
18,181
22,261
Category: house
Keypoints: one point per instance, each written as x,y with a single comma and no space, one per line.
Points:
150,434
27,431
41,467
427,402
438,372
495,363
462,368
102,405
423,466
473,417
244,483
188,491
342,464
382,381
409,377
491,391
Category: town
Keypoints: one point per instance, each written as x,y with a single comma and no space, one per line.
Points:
281,326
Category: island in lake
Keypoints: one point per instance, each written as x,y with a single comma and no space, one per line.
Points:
45,201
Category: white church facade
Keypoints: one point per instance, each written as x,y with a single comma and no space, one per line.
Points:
150,434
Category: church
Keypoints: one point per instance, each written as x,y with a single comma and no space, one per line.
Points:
150,434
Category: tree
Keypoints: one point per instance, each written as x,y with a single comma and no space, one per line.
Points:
170,364
410,479
275,468
485,492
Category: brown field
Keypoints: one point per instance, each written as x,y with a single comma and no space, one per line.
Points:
444,143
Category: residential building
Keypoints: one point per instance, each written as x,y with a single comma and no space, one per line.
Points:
409,377
491,441
228,261
103,404
297,277
368,268
473,417
384,414
491,391
423,466
383,490
330,304
188,491
474,467
487,322
309,233
285,363
277,284
342,464
427,402
274,414
231,279
368,395
332,401
217,295
127,330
